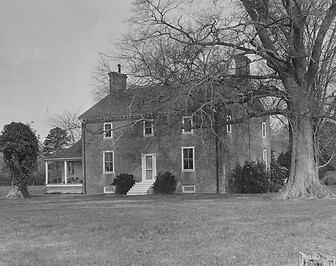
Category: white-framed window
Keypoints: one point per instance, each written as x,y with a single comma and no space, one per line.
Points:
108,130
229,126
108,161
189,189
148,127
263,129
188,158
71,168
264,156
187,123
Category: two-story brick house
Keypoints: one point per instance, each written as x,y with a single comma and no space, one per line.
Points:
144,131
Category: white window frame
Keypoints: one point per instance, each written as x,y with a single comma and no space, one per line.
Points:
184,190
182,159
109,130
264,156
104,168
144,127
263,130
228,126
191,125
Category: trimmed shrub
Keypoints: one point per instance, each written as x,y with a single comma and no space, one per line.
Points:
165,183
123,183
249,178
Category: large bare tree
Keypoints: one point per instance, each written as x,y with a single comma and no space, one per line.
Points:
291,43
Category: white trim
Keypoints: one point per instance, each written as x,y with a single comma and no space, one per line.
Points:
264,156
109,130
109,172
65,185
193,149
143,166
46,173
189,191
228,126
263,130
191,125
144,127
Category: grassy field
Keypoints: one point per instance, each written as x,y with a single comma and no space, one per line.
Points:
162,230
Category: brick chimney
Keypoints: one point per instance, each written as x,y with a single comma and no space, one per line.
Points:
242,63
117,80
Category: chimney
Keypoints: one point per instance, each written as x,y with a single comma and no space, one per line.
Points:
117,80
242,63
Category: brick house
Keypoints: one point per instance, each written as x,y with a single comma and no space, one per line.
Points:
138,131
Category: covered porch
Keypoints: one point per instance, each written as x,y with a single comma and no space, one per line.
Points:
64,171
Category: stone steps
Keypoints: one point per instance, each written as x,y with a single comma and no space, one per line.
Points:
140,188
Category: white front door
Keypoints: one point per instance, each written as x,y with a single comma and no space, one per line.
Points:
148,167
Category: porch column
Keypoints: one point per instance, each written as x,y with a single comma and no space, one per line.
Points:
46,173
65,172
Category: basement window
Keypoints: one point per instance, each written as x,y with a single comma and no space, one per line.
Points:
189,189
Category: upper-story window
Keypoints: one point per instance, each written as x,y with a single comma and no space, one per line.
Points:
187,123
188,158
229,126
263,129
148,127
108,130
108,161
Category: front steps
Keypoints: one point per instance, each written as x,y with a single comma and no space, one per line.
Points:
140,188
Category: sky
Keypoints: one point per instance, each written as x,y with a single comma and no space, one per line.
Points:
48,51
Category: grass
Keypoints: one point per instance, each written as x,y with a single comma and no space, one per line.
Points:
163,230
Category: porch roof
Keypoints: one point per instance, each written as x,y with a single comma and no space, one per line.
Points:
72,153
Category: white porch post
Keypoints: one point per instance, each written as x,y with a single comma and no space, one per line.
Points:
46,173
65,172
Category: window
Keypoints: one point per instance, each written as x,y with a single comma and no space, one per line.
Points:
148,127
263,129
189,189
108,162
108,130
187,124
264,156
188,159
71,169
228,126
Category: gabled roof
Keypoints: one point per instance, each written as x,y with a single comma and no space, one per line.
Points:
72,153
138,101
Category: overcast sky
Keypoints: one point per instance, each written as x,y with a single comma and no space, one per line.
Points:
48,50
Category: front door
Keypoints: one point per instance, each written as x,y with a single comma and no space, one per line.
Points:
148,167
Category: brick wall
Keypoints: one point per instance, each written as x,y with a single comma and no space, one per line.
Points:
128,144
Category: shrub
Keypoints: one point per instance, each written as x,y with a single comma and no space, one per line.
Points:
165,183
277,177
123,183
329,178
249,178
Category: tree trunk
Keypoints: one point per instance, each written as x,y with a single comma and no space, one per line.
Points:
303,181
18,192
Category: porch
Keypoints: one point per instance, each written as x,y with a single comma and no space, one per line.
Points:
64,171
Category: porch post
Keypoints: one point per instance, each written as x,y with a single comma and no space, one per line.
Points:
65,172
46,173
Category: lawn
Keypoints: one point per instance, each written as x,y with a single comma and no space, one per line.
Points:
163,230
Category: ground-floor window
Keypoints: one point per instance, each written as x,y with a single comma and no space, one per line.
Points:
264,156
188,158
108,161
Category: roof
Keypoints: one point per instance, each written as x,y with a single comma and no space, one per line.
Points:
138,101
74,152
